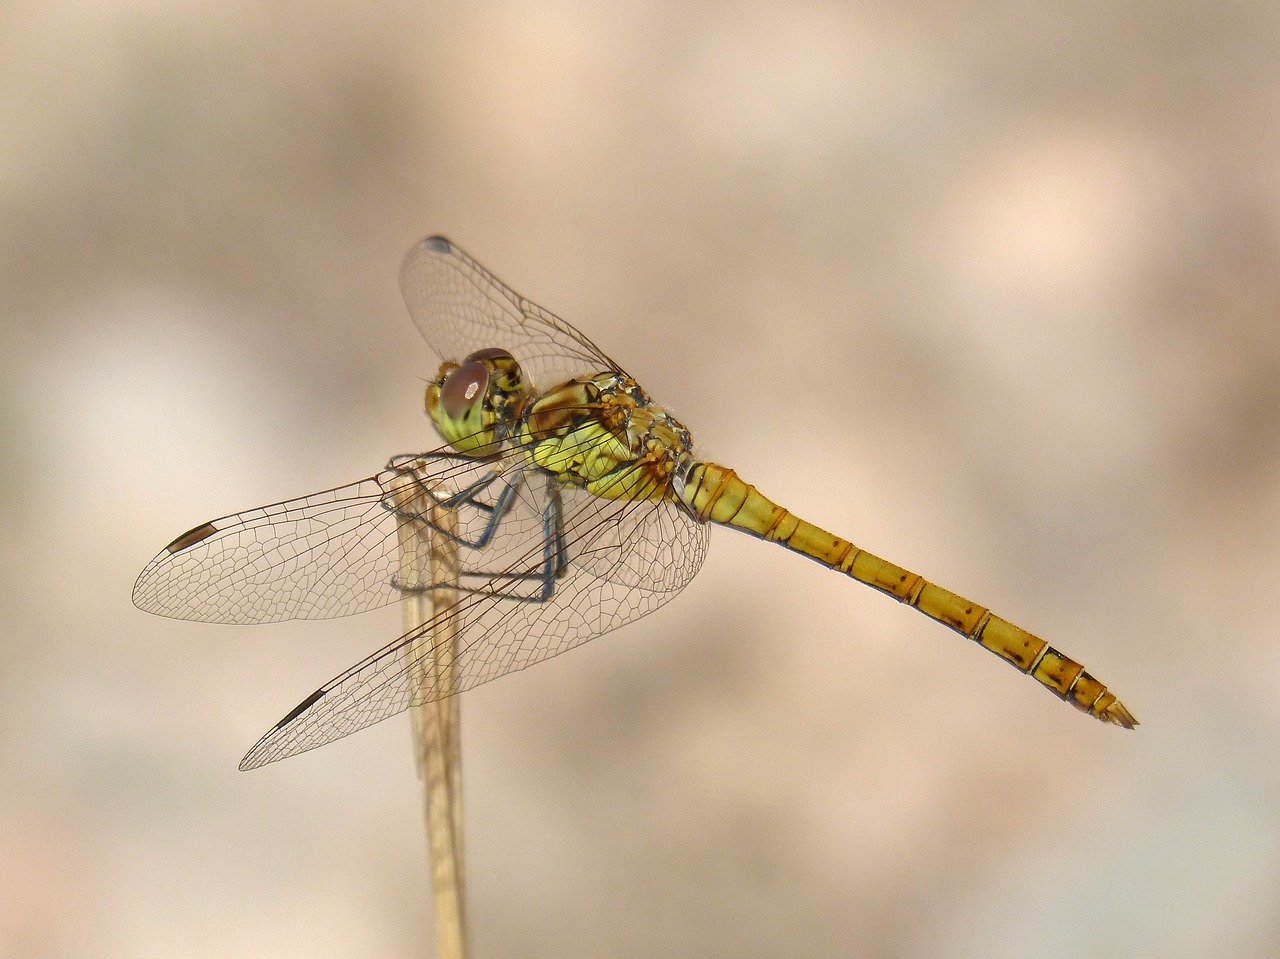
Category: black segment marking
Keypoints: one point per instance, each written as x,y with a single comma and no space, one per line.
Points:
191,537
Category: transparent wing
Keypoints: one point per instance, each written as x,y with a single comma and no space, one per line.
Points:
624,560
328,554
460,307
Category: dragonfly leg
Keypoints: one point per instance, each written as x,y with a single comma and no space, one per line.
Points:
555,547
468,496
542,580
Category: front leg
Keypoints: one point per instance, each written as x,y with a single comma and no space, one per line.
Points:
534,584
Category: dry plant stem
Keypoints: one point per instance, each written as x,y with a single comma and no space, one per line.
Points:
428,556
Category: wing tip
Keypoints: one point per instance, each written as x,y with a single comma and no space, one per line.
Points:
435,245
261,754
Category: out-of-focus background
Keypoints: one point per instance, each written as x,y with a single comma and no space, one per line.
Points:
993,289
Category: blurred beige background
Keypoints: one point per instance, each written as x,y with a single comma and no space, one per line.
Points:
991,289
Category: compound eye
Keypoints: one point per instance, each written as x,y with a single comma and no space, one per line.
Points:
464,388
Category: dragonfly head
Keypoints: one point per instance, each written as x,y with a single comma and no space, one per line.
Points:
474,403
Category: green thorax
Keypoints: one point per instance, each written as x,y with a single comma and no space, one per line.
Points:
604,434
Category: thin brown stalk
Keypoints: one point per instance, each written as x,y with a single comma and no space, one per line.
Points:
429,556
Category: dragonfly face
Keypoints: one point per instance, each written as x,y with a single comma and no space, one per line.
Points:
474,404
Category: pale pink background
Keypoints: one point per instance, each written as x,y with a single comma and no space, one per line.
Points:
991,288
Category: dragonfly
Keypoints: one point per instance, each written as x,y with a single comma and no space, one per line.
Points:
577,504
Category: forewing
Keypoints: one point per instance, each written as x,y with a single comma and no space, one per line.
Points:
328,554
626,560
460,307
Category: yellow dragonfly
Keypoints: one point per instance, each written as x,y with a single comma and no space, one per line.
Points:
578,505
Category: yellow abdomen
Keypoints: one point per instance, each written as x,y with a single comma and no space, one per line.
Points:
715,494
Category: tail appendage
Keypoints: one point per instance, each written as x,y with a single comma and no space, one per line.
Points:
715,494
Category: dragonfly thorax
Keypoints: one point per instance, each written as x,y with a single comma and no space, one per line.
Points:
604,434
474,404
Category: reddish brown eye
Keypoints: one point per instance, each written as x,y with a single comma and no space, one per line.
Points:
462,387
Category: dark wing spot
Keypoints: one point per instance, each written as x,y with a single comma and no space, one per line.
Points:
492,353
439,244
301,708
191,537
